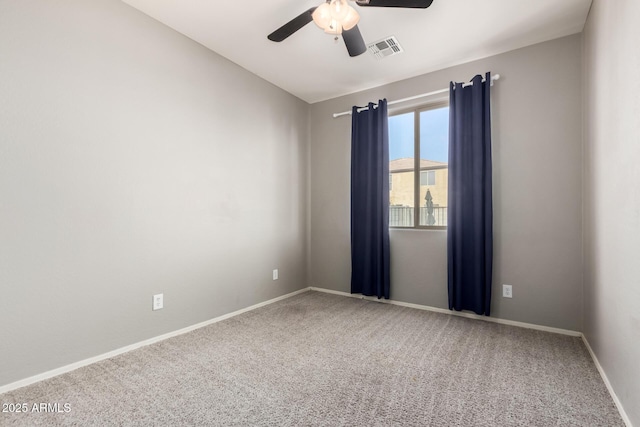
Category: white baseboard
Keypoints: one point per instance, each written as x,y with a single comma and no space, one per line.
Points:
89,361
613,394
456,313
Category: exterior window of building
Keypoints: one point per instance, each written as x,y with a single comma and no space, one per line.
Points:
428,177
418,170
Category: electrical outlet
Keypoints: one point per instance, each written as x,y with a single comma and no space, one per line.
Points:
507,291
275,274
158,301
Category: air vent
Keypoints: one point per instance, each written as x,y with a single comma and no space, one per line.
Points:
386,47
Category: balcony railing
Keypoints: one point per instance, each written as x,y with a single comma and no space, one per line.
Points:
402,216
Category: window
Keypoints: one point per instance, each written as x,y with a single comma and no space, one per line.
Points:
428,177
418,170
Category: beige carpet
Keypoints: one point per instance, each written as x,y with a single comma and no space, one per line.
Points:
320,359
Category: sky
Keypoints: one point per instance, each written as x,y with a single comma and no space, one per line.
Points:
434,135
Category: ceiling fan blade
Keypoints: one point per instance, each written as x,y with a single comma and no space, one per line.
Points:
354,41
292,26
417,4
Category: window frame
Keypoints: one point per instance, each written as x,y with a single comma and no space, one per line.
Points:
416,162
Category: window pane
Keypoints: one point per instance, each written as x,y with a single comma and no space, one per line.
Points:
434,155
428,177
401,169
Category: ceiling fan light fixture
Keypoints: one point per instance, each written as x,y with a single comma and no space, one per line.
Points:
351,20
334,27
322,16
335,16
339,9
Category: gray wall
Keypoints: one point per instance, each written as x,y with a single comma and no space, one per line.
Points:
537,137
134,161
611,196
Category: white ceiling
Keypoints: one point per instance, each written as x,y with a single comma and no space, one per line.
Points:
313,67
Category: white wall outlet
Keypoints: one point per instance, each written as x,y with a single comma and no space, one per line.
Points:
158,301
507,291
275,274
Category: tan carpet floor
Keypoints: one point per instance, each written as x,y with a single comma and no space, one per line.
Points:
321,359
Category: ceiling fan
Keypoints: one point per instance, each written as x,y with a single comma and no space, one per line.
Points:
338,18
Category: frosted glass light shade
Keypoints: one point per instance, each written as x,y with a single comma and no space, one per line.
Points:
336,16
334,27
351,20
339,9
322,16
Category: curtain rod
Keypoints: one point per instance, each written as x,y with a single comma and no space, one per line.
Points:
411,98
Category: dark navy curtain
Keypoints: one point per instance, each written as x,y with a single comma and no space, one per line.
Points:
370,201
470,212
